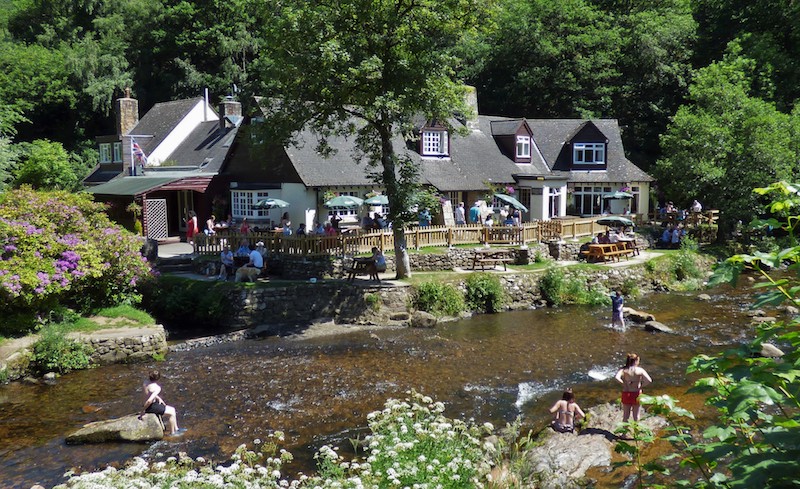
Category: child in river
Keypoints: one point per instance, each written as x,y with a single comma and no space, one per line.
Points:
566,411
154,404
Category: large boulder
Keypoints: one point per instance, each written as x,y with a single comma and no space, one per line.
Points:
422,319
655,326
639,317
127,428
769,350
562,459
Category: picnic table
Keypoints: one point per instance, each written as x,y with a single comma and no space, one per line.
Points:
607,252
629,243
360,266
490,256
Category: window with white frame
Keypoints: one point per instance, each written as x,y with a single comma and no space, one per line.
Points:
434,143
117,152
589,201
105,152
242,202
554,202
589,153
523,147
524,198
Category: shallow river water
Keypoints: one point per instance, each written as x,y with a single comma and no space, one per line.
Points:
320,390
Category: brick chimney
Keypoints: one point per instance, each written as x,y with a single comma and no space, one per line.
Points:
227,107
127,112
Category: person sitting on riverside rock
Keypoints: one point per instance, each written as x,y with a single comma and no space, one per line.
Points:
155,405
565,413
633,378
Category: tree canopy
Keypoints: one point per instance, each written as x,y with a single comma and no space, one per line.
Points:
367,69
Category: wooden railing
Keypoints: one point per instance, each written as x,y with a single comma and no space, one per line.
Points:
416,238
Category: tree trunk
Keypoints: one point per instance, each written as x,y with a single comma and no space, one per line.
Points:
402,263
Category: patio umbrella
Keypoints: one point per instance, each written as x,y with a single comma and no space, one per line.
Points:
619,195
270,203
377,200
347,201
612,221
512,202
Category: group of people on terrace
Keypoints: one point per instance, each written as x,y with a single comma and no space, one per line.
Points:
481,214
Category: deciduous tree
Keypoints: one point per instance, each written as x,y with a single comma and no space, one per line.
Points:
365,69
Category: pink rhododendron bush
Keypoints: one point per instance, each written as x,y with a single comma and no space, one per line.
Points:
59,249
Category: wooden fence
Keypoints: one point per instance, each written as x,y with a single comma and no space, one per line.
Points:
419,237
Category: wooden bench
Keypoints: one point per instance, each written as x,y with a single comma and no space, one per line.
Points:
493,262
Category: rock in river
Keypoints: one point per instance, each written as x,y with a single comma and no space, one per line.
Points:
127,428
637,316
657,327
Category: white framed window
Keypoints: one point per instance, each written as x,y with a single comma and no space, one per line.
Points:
105,152
523,147
589,153
117,152
588,200
434,143
242,202
554,202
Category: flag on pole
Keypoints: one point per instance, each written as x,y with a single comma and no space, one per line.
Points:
138,153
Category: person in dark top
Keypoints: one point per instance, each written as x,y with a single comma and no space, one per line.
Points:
335,220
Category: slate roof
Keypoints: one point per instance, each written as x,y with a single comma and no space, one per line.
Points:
205,147
474,158
551,135
160,120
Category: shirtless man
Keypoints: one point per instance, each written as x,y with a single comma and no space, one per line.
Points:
633,378
154,404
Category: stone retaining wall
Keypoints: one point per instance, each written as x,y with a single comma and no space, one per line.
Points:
277,310
125,347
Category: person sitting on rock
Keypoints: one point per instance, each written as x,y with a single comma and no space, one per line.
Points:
565,413
155,405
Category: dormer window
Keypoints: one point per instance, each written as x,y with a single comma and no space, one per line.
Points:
589,153
523,147
434,143
105,152
117,152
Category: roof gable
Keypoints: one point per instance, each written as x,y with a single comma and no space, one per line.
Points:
161,120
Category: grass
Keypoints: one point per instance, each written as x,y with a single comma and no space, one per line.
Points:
446,276
115,317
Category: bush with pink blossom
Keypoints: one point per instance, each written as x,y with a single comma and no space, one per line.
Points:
59,249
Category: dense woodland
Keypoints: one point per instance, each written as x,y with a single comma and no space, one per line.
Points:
704,90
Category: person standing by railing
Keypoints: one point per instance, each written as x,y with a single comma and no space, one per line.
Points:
459,214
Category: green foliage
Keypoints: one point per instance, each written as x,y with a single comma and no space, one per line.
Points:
437,298
634,436
45,165
725,141
373,301
484,293
683,270
181,301
61,248
55,352
754,441
557,288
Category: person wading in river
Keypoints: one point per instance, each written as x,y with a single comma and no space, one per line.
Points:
633,378
154,404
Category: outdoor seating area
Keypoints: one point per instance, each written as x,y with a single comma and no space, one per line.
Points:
601,253
490,257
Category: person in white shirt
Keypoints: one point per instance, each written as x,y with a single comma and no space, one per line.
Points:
460,214
256,260
696,206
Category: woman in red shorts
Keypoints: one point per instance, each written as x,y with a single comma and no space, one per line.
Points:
633,378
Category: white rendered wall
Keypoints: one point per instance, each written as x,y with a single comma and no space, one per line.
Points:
199,113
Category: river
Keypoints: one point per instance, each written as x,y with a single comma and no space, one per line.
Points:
320,390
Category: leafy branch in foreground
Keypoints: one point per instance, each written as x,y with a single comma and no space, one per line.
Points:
755,441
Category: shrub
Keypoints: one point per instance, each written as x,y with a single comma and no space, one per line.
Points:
438,299
55,352
183,302
557,288
484,293
552,286
61,248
